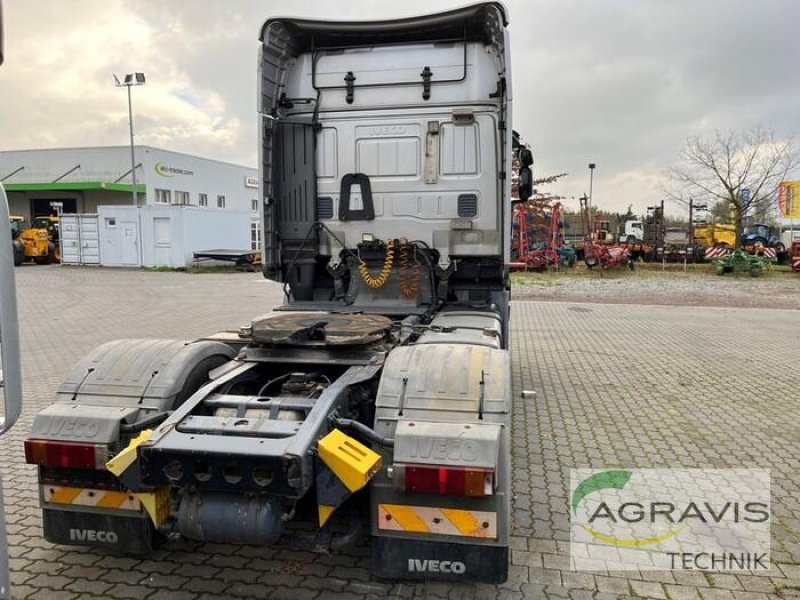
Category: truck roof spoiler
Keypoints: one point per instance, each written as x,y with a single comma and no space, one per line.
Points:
475,22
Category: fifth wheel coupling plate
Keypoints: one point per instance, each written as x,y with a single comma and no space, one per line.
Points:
320,329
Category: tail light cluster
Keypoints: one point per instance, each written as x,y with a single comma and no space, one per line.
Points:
452,481
67,455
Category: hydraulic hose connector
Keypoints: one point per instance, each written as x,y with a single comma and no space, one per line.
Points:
386,270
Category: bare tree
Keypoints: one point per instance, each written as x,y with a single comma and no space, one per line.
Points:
739,169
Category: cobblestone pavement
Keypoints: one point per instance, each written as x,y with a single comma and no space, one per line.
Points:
617,386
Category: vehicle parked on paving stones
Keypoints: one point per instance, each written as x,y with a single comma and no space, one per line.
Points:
40,241
335,408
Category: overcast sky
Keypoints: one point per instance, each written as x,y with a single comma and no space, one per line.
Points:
621,83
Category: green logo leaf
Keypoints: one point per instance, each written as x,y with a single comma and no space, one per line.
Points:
598,481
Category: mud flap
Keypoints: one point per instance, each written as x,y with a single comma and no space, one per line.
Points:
133,534
397,558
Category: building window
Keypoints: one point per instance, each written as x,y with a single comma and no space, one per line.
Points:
254,204
161,232
220,201
203,201
111,221
182,198
255,235
162,196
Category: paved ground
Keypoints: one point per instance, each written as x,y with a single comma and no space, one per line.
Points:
619,386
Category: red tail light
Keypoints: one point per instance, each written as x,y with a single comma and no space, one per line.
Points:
68,455
455,481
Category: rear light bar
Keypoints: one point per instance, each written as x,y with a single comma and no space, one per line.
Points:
451,481
68,455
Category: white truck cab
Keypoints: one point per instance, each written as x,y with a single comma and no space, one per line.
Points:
634,232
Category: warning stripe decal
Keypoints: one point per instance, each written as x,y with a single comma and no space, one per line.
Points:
441,521
716,251
55,494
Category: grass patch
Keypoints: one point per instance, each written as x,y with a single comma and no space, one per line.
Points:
642,271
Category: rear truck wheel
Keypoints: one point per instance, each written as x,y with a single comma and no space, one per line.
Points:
110,397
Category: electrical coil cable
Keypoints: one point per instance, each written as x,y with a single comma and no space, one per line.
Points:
386,270
409,274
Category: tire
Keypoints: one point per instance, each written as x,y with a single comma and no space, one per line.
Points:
630,264
780,248
19,255
198,376
571,261
590,261
43,260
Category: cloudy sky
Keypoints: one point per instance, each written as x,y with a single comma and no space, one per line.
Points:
621,83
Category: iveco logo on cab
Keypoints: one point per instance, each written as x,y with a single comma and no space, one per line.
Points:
93,535
455,567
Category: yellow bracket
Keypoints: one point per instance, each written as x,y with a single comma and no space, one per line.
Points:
155,503
350,460
124,459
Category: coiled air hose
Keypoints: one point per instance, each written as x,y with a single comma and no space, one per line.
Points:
386,270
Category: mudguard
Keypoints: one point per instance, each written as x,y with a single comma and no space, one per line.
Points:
108,396
124,382
456,416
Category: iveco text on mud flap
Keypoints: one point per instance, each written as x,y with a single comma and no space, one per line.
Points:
384,379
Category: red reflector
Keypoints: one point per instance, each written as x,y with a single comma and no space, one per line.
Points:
71,455
455,481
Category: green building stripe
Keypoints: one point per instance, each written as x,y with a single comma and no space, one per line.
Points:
74,186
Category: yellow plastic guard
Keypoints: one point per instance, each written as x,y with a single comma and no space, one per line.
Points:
351,461
325,512
155,503
124,459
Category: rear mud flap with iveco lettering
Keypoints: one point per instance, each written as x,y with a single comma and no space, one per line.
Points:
134,534
394,558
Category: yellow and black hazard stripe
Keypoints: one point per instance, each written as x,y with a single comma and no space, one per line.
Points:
76,496
436,520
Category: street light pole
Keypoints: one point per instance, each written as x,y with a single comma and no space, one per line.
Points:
133,155
591,180
129,81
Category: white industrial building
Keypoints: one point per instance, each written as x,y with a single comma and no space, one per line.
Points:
187,202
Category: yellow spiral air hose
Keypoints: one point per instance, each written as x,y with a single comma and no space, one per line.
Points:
386,270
